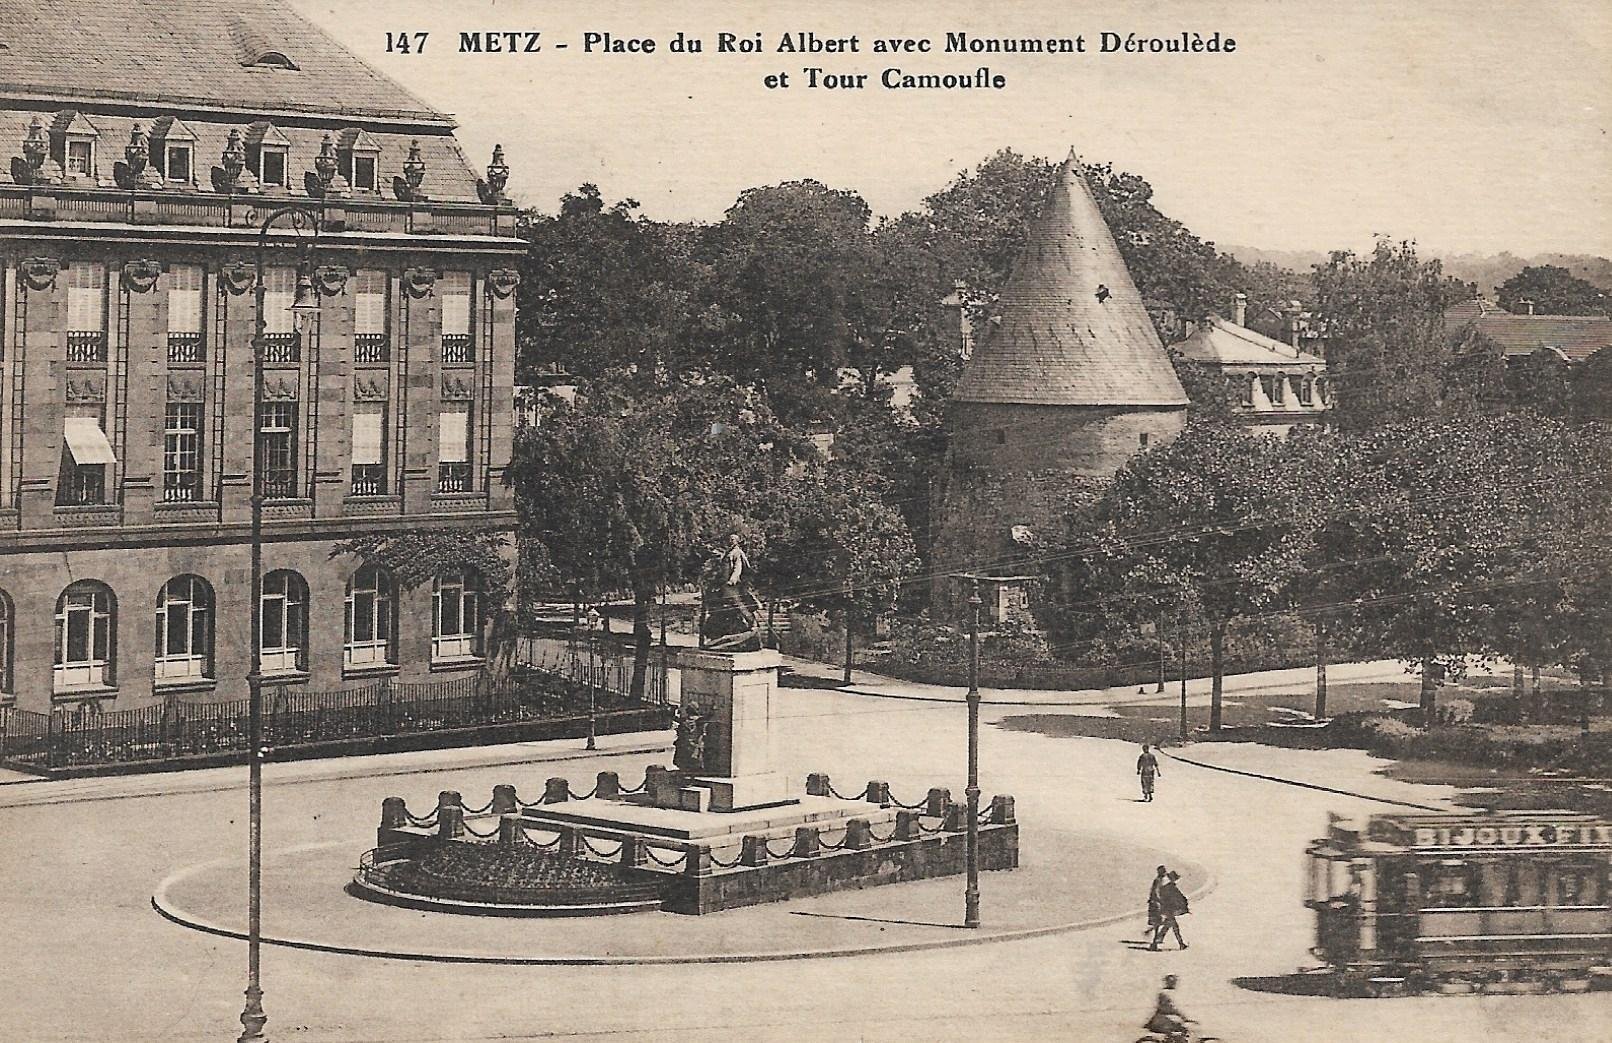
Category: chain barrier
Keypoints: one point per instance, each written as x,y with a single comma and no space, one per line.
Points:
481,810
535,843
473,831
910,807
860,796
423,821
926,829
673,863
789,852
635,789
884,839
594,792
715,861
601,854
826,846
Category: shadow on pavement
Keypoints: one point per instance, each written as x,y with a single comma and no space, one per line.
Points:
1310,984
874,919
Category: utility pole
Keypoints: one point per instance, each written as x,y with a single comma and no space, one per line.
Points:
971,896
1181,635
1163,650
847,619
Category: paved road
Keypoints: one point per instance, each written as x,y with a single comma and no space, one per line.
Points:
88,958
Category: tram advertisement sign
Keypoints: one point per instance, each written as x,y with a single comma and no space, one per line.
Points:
1520,834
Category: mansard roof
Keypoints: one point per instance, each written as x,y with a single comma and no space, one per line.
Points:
258,56
1072,330
1221,342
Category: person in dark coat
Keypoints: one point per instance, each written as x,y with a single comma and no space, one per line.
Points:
1147,766
1153,915
1172,904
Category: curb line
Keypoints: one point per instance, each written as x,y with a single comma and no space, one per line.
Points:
1304,785
168,911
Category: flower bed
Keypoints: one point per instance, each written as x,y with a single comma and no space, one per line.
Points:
506,875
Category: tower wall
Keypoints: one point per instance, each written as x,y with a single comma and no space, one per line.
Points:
1027,465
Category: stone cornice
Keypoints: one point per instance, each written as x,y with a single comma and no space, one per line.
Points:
128,537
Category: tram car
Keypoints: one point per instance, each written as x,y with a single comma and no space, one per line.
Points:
1494,902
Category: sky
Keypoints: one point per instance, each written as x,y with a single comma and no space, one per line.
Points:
1467,125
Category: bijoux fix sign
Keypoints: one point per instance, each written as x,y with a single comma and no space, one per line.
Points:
1522,834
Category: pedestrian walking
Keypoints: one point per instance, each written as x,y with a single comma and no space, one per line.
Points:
1172,905
1153,915
1147,766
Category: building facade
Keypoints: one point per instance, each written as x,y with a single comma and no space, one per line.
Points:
1270,387
1064,386
132,200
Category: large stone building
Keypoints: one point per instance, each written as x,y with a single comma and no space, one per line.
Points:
1063,387
144,143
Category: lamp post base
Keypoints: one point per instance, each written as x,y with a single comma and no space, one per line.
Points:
252,1018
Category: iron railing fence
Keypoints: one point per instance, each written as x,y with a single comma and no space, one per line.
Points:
295,716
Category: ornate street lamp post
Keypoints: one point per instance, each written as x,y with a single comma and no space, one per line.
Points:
301,220
595,656
971,896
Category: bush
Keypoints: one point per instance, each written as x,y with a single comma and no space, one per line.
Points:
1453,712
1388,737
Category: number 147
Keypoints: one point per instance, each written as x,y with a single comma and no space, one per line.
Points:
405,43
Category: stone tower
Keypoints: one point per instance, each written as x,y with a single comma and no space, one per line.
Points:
1062,389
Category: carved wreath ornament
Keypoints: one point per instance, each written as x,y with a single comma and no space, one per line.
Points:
418,282
140,276
39,273
236,277
502,282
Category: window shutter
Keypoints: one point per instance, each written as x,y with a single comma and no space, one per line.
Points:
184,299
453,429
454,290
367,427
370,306
86,298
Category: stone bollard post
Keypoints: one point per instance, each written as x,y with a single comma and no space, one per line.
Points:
556,790
808,844
607,786
510,831
632,852
570,843
956,820
394,813
754,852
858,835
450,821
1002,810
878,793
817,784
450,798
906,825
698,862
939,800
504,800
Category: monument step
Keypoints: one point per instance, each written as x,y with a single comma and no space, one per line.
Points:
673,824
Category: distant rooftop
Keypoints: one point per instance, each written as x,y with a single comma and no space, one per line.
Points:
1222,342
1574,337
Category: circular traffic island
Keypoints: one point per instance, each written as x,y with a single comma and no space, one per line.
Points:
497,880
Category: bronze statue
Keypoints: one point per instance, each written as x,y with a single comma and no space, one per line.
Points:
730,609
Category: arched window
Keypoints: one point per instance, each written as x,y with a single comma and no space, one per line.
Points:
285,622
86,637
456,615
5,644
184,629
371,623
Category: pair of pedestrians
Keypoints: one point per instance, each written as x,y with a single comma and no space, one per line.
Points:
1165,903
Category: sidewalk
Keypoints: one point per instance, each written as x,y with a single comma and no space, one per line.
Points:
1300,679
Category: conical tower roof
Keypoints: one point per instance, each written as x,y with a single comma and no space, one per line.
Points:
1073,331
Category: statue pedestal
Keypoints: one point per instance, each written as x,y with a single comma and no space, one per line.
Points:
734,690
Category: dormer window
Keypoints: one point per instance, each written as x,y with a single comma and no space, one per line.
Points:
271,166
80,157
176,165
359,156
173,150
267,155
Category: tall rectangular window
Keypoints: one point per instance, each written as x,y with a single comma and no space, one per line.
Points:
181,452
178,163
80,158
87,455
369,316
272,165
369,444
185,313
281,341
453,448
453,289
86,312
277,434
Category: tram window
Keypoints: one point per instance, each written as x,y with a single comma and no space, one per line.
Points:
1450,887
1578,885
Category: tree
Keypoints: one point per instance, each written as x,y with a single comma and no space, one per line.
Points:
634,491
1546,289
1204,523
605,291
1383,317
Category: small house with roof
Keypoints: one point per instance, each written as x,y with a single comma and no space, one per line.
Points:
1271,387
